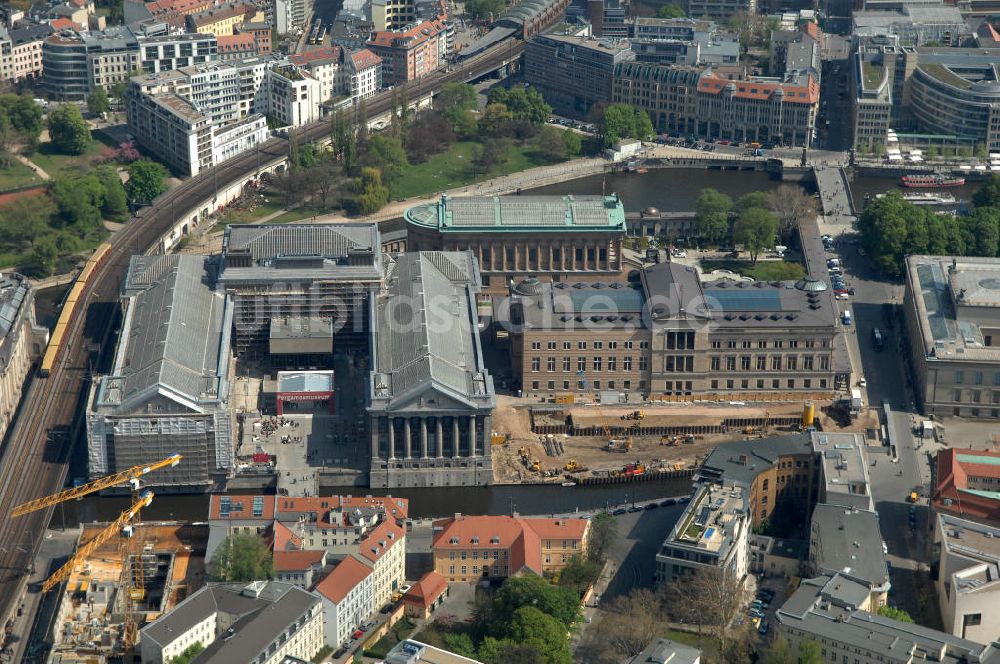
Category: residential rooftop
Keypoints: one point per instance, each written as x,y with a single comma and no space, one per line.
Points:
415,652
848,541
845,469
665,651
741,461
708,521
977,545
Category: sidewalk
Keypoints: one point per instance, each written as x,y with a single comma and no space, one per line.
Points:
33,166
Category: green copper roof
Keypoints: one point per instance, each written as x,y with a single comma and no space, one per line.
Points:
505,214
993,495
981,460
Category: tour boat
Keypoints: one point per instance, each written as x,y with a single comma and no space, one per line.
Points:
926,198
931,181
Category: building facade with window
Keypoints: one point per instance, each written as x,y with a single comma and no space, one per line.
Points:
966,484
573,73
470,548
952,308
549,237
968,580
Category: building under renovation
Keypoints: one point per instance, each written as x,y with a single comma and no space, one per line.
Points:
168,391
290,283
430,396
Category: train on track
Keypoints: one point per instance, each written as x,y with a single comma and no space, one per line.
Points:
69,308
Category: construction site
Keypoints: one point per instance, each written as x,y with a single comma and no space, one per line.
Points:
590,443
122,585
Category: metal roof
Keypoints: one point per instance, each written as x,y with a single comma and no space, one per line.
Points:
175,337
305,381
426,332
490,214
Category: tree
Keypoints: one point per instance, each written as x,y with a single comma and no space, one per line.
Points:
429,134
573,142
603,531
372,195
810,652
460,643
461,96
491,154
756,229
550,143
484,9
145,181
579,573
68,131
387,155
629,624
531,627
623,121
671,11
44,255
989,194
563,604
24,219
895,613
790,203
710,597
241,557
503,651
779,652
97,102
523,103
115,203
188,655
24,119
712,215
749,200
79,201
495,120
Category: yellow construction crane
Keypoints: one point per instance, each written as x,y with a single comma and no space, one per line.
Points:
130,476
120,525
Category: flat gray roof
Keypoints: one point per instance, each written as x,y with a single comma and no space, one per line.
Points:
741,461
848,541
845,468
665,651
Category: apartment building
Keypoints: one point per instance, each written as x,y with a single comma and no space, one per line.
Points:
239,136
720,10
168,52
342,73
220,20
236,47
965,484
264,622
952,313
392,15
668,94
293,96
847,541
21,52
470,548
712,532
968,579
430,397
833,612
409,53
261,33
573,73
168,389
348,597
682,41
22,341
778,472
513,237
73,64
843,465
914,24
880,68
361,74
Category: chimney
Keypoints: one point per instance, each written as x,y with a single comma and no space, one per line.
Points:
458,516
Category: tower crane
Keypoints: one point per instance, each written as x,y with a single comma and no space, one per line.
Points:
121,524
130,476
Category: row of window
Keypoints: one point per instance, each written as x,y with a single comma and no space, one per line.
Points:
582,345
597,363
977,378
760,363
790,383
774,343
583,385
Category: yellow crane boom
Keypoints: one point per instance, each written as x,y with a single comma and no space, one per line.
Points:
119,524
124,476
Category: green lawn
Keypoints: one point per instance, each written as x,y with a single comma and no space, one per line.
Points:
17,175
453,168
762,271
298,214
242,217
57,164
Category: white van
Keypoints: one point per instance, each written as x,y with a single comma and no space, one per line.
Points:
845,318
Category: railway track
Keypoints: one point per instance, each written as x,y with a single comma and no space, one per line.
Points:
33,461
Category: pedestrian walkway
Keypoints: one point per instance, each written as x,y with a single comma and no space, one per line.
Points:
33,166
835,195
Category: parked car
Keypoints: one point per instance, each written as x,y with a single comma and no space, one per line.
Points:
764,627
652,506
620,511
357,634
668,502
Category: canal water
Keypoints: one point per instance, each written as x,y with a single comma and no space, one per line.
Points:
533,499
677,189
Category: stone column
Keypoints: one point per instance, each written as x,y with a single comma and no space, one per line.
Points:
392,438
472,436
548,264
454,438
439,436
572,262
407,439
374,434
562,257
423,437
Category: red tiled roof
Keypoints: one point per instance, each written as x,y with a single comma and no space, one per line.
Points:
63,24
568,529
297,561
762,90
240,507
812,29
417,35
235,43
382,538
344,577
316,55
953,476
364,59
426,591
283,539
